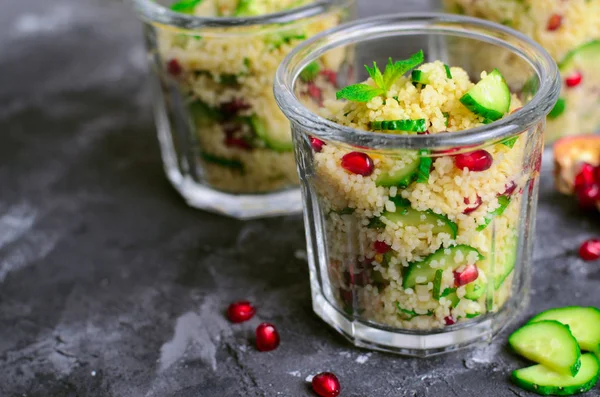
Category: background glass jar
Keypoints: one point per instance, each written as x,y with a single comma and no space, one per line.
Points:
384,253
226,146
570,32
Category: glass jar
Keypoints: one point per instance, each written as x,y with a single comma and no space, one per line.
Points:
225,144
570,32
386,254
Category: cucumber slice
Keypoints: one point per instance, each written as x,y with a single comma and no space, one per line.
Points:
586,57
541,380
558,109
437,284
419,76
408,216
264,134
203,115
424,169
504,202
508,266
475,290
489,98
401,177
549,343
310,72
425,273
450,294
223,162
418,125
185,6
410,314
584,323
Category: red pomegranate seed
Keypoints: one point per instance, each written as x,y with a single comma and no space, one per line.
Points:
597,174
241,311
317,144
381,247
588,195
358,163
174,67
473,207
479,160
360,279
330,75
326,384
267,337
573,80
449,320
554,22
467,276
509,189
590,250
586,175
426,132
315,93
234,106
347,297
237,143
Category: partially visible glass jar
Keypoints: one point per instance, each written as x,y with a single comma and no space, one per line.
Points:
420,243
570,32
226,146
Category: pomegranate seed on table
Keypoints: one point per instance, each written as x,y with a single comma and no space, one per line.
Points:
573,80
381,247
326,384
473,207
449,320
330,75
241,311
586,176
174,67
317,144
358,163
267,337
477,161
554,22
470,274
590,250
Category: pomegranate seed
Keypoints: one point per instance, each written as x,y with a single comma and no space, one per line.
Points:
509,189
588,195
479,160
359,279
467,276
358,163
597,174
241,311
475,205
449,320
326,384
237,143
573,80
267,337
315,93
330,75
590,250
174,67
347,297
234,106
554,22
426,132
381,247
586,176
317,144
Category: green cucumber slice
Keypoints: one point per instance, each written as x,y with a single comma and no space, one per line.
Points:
410,314
418,125
450,294
543,381
185,6
475,290
549,343
408,216
504,202
446,118
419,76
437,284
558,109
272,142
510,142
401,177
489,98
584,57
222,161
424,169
425,273
508,266
310,72
584,323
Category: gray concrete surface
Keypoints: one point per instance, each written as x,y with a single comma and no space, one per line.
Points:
111,286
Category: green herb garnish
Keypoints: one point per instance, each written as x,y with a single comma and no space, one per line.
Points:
185,6
448,72
383,81
310,72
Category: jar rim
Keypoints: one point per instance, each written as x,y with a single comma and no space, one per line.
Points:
418,23
152,12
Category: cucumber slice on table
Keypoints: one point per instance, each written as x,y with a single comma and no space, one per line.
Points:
549,343
425,273
584,323
407,216
542,380
504,202
272,142
419,125
489,98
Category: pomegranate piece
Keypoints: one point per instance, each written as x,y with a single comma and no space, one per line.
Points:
239,143
358,163
477,161
468,275
241,311
267,337
315,93
554,22
569,155
381,247
316,144
347,297
573,80
234,106
174,67
326,384
449,320
330,75
426,132
588,195
472,207
359,279
590,250
509,189
586,176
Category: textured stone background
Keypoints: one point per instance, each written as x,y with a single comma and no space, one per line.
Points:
111,286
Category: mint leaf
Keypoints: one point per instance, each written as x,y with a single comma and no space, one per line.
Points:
185,6
376,75
394,70
359,93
